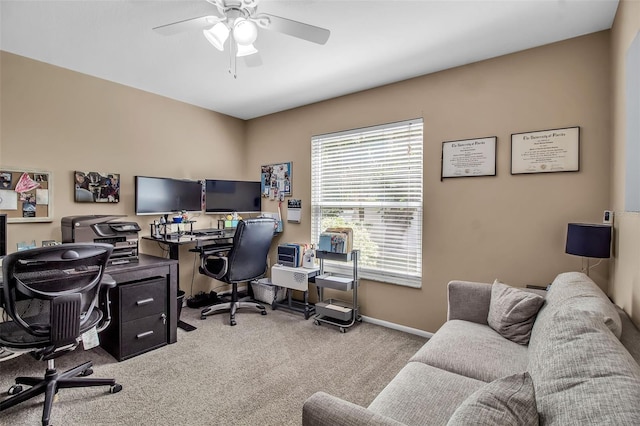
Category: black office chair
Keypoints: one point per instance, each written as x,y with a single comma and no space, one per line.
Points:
245,261
52,296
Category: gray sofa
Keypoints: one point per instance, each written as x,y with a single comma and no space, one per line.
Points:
580,367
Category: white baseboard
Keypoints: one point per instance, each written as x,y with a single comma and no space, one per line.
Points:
398,327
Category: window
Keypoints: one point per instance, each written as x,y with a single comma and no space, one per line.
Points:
371,180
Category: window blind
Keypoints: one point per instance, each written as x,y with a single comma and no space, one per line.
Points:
370,179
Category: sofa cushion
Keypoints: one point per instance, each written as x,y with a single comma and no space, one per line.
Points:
581,372
579,290
512,312
491,357
323,409
507,401
423,395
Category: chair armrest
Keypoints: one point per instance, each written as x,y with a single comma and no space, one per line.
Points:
469,301
106,284
108,281
322,409
223,269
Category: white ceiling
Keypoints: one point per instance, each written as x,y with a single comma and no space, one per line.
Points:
372,43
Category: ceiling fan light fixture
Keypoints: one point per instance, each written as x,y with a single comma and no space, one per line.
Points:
217,35
246,50
245,32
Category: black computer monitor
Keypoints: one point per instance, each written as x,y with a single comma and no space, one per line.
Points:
3,234
158,195
222,196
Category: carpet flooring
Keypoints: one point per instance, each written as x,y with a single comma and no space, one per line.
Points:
257,373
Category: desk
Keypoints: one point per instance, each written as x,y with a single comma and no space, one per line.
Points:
136,328
175,243
174,250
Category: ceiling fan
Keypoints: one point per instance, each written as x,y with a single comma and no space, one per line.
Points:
235,23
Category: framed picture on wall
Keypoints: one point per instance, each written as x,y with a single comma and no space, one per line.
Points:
96,187
546,151
469,157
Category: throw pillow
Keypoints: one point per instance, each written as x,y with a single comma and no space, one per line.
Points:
506,401
512,312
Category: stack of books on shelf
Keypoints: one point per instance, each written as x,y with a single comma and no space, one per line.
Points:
336,240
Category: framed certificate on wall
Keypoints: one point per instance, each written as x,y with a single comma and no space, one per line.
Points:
546,151
469,157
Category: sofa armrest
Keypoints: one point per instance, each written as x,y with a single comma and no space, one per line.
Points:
322,409
468,301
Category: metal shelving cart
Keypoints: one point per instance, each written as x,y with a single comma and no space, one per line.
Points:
336,312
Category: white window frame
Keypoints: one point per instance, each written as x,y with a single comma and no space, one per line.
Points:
371,179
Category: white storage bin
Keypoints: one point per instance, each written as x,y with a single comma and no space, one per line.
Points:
264,290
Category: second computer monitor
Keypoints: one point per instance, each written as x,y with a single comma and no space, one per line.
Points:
224,196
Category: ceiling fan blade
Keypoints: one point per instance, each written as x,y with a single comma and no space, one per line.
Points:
253,61
187,25
293,28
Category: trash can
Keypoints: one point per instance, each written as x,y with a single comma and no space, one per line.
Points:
180,301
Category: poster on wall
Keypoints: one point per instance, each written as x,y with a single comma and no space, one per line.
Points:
276,180
469,157
546,151
96,187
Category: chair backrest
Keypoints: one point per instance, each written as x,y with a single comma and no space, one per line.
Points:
52,292
251,244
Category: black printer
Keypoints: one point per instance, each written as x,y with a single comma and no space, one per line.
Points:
123,236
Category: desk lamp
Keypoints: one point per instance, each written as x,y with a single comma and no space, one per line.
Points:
589,240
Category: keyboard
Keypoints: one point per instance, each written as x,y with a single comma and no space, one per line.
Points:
208,232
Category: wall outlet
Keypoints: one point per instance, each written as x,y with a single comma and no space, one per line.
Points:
607,217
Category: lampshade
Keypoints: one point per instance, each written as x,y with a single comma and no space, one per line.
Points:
589,240
217,35
244,32
246,50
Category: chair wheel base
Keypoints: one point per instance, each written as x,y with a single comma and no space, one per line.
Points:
115,388
263,312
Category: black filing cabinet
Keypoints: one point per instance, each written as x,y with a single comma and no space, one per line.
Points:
141,309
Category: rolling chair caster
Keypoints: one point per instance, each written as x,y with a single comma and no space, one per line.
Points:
14,390
115,388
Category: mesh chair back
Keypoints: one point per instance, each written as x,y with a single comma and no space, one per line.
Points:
251,244
52,292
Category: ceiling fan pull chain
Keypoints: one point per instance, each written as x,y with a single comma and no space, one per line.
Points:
233,65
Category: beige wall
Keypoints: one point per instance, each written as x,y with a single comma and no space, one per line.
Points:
60,121
625,276
506,227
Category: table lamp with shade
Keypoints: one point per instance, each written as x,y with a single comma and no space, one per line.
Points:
589,241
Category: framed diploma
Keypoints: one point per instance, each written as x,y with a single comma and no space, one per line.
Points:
546,151
469,157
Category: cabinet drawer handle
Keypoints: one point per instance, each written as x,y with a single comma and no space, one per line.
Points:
145,334
144,301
